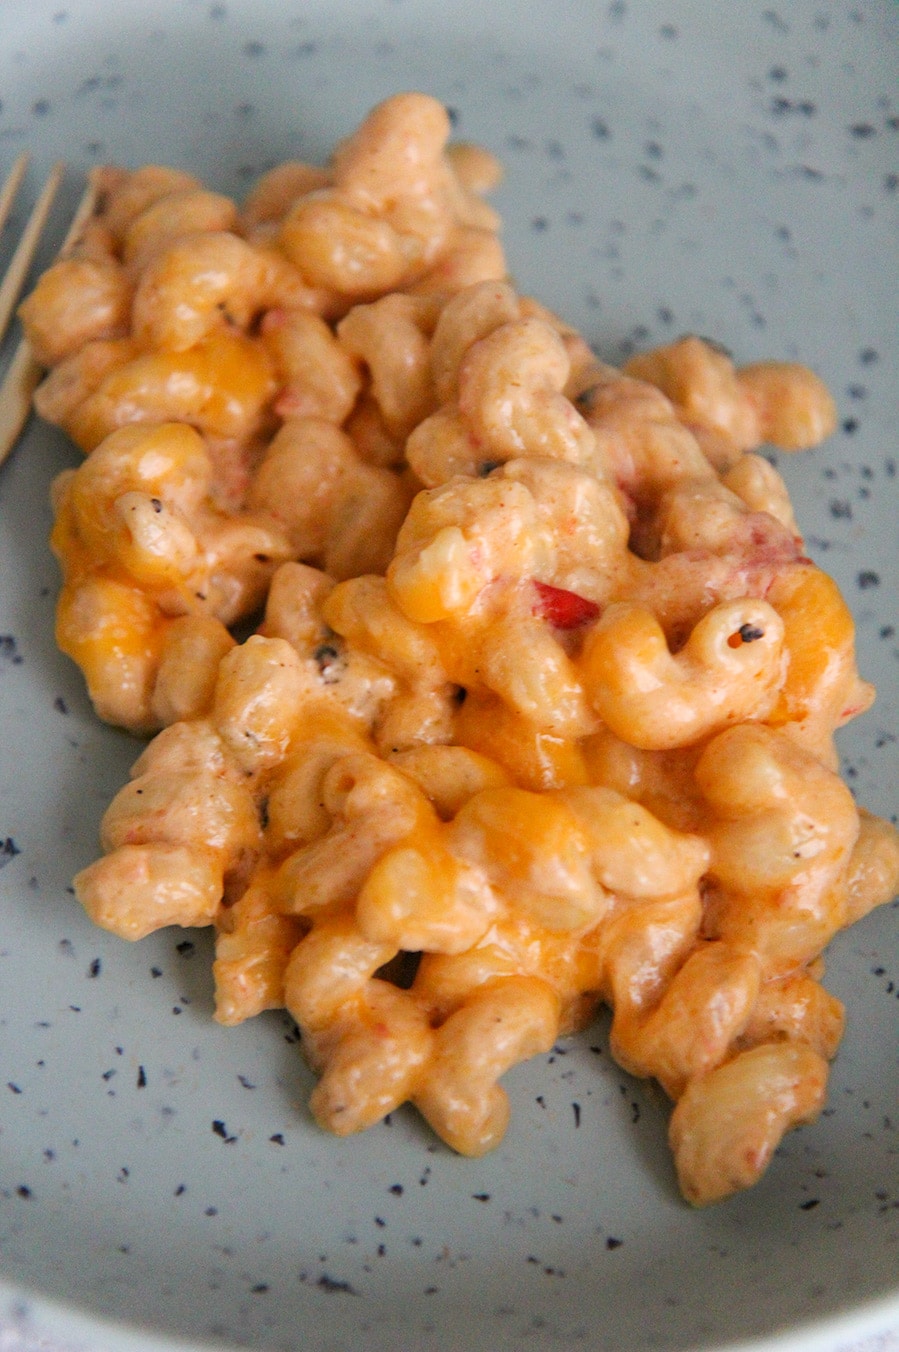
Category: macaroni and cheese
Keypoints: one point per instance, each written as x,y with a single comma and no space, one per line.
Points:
539,713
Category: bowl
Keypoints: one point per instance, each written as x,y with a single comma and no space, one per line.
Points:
727,170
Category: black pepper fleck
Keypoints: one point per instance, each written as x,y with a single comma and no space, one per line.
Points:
328,658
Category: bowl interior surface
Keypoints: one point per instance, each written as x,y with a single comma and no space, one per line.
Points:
683,167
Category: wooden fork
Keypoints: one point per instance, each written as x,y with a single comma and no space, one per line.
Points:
23,372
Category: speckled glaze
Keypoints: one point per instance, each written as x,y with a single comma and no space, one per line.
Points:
727,169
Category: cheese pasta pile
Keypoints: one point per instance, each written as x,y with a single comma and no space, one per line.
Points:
540,712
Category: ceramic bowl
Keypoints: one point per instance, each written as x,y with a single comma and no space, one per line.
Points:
682,166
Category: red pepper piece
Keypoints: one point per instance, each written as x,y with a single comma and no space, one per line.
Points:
564,609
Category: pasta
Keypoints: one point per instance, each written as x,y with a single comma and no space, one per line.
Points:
539,711
270,356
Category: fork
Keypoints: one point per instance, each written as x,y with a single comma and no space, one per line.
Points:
23,372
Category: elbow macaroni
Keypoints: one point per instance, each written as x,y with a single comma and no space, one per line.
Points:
540,711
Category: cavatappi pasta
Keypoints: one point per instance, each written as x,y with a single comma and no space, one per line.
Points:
540,713
285,346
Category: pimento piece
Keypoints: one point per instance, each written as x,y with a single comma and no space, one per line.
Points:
565,609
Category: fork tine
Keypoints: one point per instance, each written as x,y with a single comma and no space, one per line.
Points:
21,260
24,373
11,186
83,212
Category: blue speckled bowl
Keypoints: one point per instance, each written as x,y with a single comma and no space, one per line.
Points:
723,168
